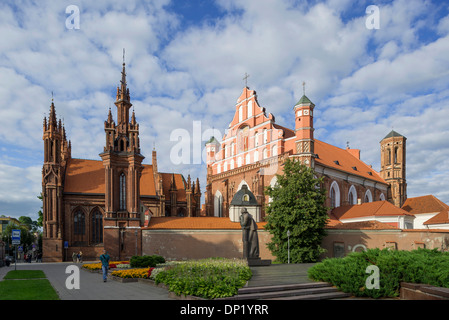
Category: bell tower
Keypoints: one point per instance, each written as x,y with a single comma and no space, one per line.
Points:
305,149
393,166
123,167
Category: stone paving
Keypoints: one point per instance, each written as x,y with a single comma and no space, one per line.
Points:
92,286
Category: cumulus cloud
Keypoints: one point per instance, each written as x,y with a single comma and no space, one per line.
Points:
363,82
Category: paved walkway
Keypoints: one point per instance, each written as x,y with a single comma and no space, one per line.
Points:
92,286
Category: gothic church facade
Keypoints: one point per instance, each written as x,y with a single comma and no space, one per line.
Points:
91,205
253,150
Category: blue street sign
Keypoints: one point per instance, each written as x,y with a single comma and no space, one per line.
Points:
15,236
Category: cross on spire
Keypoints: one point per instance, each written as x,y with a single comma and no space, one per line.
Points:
246,79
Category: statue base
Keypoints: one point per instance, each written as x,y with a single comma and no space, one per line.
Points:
257,262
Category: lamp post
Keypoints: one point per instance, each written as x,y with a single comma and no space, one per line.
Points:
288,245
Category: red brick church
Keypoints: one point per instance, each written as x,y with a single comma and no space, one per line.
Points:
254,148
89,205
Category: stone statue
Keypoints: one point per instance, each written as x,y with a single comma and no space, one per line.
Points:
249,235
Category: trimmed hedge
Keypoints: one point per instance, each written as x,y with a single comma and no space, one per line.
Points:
206,278
145,261
417,266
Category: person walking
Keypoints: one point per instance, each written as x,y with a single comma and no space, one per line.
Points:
104,258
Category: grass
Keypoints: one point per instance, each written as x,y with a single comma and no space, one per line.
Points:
24,274
26,285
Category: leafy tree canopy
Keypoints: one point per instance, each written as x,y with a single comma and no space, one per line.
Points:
297,206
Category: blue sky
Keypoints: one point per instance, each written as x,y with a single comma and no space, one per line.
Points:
186,61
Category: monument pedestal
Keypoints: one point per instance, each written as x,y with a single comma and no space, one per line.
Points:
257,262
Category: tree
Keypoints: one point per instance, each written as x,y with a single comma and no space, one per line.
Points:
297,206
40,218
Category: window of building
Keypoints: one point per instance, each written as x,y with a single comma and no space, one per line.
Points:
79,225
335,195
97,227
122,196
339,249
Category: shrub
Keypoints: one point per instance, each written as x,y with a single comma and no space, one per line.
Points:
349,273
145,261
206,278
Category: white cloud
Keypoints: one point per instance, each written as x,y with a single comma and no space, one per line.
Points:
363,82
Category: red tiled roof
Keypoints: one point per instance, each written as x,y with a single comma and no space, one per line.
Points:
328,154
424,204
440,218
84,176
88,177
363,225
195,223
375,208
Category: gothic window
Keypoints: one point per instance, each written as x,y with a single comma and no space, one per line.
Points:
368,196
122,192
240,113
79,226
389,156
352,196
97,227
79,223
335,195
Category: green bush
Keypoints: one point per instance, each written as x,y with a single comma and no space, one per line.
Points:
206,278
417,266
145,261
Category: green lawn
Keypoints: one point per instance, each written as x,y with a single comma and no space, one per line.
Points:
26,285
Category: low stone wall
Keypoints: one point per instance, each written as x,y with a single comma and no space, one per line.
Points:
198,244
418,291
204,243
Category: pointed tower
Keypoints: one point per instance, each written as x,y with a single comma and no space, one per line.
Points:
56,155
304,131
123,167
393,166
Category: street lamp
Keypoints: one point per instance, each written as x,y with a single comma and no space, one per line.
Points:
288,245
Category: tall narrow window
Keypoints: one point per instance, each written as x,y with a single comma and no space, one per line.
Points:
79,223
97,227
122,192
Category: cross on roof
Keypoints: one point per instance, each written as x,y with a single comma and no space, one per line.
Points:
246,79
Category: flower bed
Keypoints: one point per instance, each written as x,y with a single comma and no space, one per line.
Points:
143,273
97,266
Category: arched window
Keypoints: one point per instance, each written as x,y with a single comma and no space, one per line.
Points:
256,156
265,154
250,109
240,114
335,195
79,223
352,196
96,227
122,191
274,150
368,196
79,226
218,202
265,136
